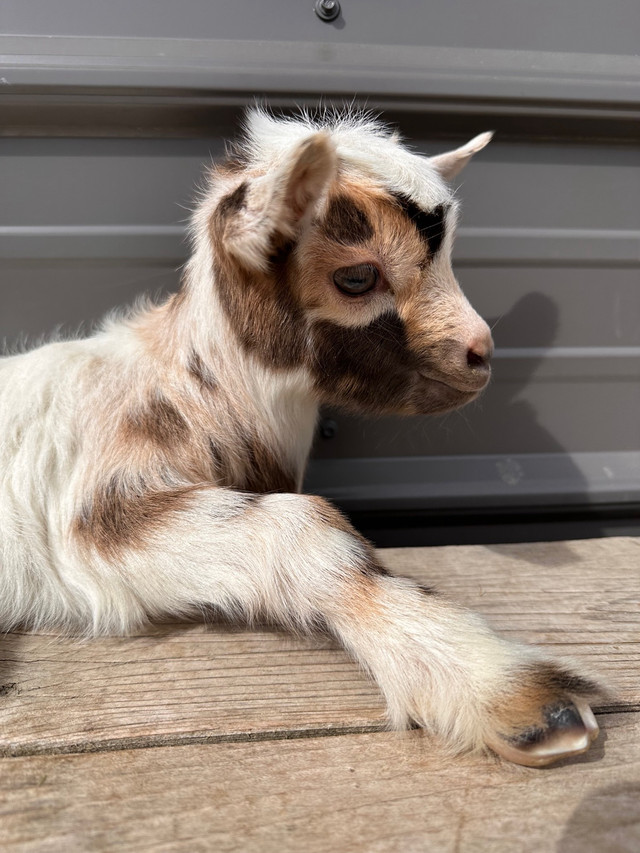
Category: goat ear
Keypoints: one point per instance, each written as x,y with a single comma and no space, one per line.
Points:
280,203
451,163
305,178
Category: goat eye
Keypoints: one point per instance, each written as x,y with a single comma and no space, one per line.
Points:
356,280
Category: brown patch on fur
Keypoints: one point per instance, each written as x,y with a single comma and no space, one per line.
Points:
233,202
361,596
371,568
158,422
538,687
256,305
394,249
221,463
280,248
121,515
216,455
330,515
360,352
264,470
368,368
429,224
363,599
201,373
346,223
552,676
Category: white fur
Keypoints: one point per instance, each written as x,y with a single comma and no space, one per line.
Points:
365,145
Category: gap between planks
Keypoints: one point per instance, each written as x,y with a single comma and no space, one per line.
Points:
162,741
205,739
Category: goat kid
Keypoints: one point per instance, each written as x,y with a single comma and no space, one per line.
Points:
154,468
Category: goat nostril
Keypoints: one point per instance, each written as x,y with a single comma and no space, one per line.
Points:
475,360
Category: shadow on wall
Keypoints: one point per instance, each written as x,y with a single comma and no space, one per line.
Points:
534,320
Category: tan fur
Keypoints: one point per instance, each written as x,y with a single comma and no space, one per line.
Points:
156,421
395,248
522,706
333,518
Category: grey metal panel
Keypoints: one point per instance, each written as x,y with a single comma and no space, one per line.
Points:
72,296
499,480
576,25
546,305
547,187
322,66
111,182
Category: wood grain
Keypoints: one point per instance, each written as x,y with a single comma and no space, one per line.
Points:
575,598
185,684
369,793
191,683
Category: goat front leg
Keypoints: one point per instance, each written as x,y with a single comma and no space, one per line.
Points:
296,560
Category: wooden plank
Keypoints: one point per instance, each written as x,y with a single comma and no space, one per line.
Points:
195,683
577,598
371,792
185,683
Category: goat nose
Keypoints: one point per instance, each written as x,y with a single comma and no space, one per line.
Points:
479,353
476,360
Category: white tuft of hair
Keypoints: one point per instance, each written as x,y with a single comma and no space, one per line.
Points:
366,148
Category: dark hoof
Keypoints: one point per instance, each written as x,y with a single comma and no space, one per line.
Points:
569,729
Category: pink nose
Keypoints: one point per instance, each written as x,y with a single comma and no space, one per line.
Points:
479,352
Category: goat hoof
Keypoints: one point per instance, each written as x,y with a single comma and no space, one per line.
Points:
569,729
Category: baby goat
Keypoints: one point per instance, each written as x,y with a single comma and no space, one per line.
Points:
155,467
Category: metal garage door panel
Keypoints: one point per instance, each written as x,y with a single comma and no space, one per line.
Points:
65,298
79,182
585,26
551,186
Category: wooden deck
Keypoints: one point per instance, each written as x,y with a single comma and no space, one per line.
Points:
194,738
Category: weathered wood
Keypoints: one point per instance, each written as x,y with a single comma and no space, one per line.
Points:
358,793
185,683
189,683
575,598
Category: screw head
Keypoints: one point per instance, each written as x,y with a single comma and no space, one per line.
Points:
327,10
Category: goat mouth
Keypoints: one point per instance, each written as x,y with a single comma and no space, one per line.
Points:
470,389
437,396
